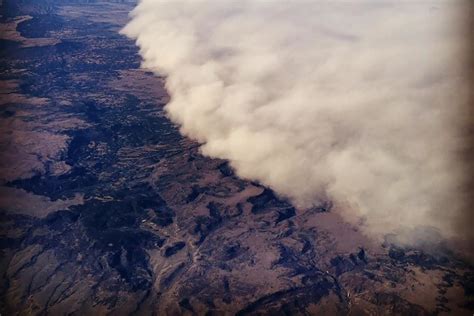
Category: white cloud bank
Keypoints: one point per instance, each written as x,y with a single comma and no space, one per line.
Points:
360,102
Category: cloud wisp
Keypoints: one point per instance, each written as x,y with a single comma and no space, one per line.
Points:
364,103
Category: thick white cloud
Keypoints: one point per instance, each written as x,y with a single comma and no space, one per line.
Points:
360,102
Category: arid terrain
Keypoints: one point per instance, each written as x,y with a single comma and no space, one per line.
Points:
106,209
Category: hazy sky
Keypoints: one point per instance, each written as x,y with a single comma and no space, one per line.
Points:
360,102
